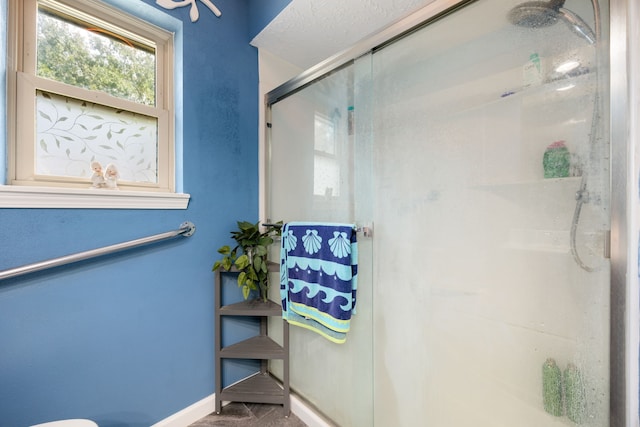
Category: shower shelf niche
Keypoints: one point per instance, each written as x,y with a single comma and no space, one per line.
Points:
262,387
498,91
572,182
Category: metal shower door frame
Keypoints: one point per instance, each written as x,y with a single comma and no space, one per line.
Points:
624,306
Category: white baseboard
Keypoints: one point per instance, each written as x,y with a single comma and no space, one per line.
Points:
306,414
206,406
190,414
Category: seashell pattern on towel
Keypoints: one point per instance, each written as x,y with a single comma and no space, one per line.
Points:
289,241
311,241
340,244
318,279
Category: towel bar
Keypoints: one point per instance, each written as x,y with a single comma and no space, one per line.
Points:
367,231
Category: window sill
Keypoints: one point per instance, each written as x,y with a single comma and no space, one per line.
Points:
12,196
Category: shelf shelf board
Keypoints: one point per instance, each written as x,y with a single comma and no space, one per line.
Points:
259,388
258,347
271,266
254,307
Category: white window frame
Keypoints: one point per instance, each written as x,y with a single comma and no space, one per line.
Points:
24,188
332,157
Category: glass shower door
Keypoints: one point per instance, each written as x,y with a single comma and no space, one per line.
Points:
320,171
491,184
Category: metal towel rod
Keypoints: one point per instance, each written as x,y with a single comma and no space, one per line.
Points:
186,229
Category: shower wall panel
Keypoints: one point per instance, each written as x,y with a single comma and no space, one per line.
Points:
476,287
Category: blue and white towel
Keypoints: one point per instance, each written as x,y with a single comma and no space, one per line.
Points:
318,277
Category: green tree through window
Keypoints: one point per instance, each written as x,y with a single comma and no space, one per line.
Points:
94,59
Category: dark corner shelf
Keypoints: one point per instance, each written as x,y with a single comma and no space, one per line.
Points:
252,308
262,387
258,347
259,388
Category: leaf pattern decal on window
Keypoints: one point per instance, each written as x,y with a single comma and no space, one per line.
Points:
72,133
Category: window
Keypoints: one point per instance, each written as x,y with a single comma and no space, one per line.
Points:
326,170
89,84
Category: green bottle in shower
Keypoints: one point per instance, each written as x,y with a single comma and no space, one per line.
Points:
556,161
552,387
575,395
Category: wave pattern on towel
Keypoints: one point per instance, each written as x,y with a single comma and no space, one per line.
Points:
318,277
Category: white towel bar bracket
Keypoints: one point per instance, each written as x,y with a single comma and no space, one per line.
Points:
190,228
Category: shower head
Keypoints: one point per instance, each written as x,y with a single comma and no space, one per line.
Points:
537,14
577,25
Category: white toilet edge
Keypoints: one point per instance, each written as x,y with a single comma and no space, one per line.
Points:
68,423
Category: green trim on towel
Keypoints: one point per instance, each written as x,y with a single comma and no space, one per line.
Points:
295,319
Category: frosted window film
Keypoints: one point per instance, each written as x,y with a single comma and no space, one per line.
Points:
72,133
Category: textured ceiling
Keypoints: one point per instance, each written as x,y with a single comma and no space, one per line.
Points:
307,32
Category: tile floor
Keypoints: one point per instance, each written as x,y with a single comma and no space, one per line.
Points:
249,415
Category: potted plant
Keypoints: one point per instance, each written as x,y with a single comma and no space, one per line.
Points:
251,263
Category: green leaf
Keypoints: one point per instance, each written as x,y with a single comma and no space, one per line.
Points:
244,225
242,277
44,116
257,262
225,250
226,263
251,273
242,262
216,265
245,292
265,241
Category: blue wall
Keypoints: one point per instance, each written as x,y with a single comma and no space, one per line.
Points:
127,340
261,12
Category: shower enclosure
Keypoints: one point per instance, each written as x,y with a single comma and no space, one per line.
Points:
475,142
